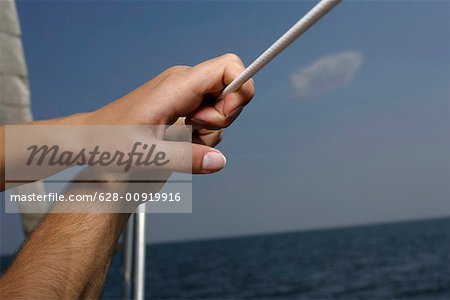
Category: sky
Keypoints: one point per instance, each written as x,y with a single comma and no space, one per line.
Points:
349,126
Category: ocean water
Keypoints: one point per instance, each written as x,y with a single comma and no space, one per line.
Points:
393,261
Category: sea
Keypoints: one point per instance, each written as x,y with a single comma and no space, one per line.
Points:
407,260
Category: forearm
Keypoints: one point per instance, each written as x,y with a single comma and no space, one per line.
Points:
65,254
76,119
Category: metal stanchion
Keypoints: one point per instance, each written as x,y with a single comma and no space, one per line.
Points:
128,258
139,259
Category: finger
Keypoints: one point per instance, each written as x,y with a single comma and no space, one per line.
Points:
227,109
232,71
207,137
213,75
235,101
209,118
179,132
195,83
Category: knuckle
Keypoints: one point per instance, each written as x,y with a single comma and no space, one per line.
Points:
248,98
225,122
233,57
250,91
176,68
247,92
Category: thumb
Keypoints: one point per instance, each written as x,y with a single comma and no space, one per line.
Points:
207,160
192,158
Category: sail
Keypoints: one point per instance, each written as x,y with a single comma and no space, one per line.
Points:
15,96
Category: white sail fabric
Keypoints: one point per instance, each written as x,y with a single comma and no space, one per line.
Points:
15,95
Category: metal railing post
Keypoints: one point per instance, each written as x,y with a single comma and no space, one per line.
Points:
128,240
139,259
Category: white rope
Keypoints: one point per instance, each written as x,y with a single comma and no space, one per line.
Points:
291,35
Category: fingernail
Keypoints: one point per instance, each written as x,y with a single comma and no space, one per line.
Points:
234,112
213,161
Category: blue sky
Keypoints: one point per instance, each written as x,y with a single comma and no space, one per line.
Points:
374,148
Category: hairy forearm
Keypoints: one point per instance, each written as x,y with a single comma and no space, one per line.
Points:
65,254
68,255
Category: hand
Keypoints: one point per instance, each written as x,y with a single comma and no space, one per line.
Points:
189,92
183,91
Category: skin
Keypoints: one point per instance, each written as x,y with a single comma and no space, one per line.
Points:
68,255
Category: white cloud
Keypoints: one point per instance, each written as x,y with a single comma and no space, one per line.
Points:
327,73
